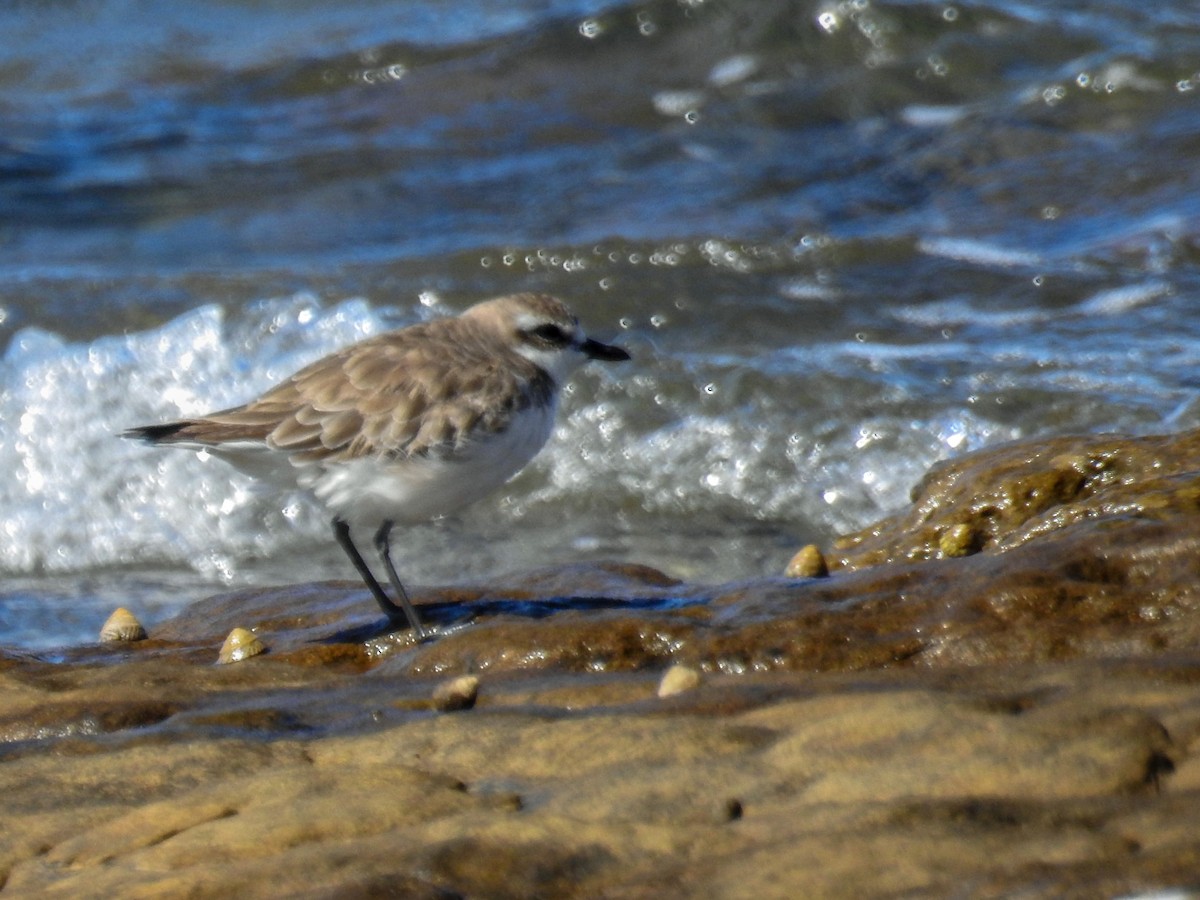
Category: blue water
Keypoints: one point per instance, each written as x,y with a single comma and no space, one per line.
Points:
843,241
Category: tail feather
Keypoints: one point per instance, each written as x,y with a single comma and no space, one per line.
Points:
156,434
207,432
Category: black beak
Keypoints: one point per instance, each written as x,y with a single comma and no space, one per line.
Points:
603,352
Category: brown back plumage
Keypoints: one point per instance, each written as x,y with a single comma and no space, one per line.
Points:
420,391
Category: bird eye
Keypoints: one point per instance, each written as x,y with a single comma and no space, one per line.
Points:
550,334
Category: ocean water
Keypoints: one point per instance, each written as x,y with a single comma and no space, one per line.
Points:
842,240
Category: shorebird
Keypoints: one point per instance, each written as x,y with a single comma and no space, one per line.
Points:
405,426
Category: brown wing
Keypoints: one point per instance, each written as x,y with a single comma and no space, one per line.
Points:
420,391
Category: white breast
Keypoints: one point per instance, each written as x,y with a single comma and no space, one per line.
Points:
369,491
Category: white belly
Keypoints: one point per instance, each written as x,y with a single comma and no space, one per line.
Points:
369,491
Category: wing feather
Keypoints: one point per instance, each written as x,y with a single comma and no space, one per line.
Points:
420,391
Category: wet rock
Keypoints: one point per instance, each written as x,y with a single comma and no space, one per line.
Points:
1006,496
1006,699
1046,776
728,810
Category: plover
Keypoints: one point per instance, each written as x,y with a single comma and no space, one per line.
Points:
405,426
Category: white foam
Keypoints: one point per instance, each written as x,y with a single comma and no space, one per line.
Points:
928,116
733,69
833,434
978,252
740,465
1124,298
82,498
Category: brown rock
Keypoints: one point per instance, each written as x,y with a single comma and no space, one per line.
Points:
1022,718
1006,496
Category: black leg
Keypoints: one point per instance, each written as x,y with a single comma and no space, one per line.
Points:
384,546
395,614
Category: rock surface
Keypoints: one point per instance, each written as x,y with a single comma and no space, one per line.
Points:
994,693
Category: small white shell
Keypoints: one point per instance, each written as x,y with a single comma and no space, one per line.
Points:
678,679
457,693
122,625
241,644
